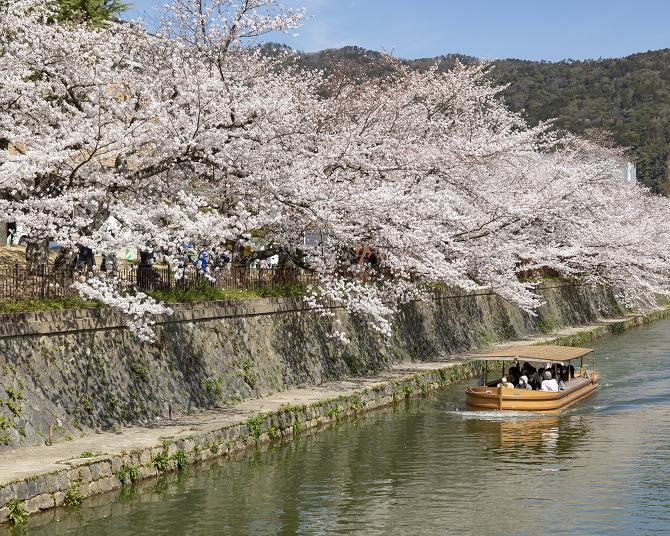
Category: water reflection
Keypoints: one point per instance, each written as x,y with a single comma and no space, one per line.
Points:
537,435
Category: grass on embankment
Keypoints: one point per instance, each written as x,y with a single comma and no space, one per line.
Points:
23,306
207,293
200,294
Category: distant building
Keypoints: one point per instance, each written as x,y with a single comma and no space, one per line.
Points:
627,171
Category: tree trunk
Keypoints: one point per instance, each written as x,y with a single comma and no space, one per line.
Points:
3,233
66,260
37,255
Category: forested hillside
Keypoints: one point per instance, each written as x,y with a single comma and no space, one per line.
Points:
628,97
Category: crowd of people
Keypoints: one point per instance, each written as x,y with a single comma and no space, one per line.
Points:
552,377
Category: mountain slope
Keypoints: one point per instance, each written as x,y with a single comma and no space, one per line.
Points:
628,97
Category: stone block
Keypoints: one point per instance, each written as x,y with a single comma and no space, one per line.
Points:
93,488
95,471
104,469
40,502
73,475
59,498
34,485
63,480
4,512
117,462
52,483
6,494
107,484
20,490
148,471
145,457
85,474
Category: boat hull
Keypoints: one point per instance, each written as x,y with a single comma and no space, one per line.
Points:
504,398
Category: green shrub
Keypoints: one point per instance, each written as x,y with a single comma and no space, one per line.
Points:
256,426
273,433
297,428
161,462
46,305
17,514
128,474
73,497
180,460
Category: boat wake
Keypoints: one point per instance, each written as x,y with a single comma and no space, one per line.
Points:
494,415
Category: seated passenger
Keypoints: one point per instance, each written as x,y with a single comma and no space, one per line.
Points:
549,384
514,372
527,369
571,371
505,383
536,380
523,383
512,378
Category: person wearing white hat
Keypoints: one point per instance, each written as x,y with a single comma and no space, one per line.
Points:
523,383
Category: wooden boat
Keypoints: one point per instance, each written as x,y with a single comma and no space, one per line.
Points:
490,396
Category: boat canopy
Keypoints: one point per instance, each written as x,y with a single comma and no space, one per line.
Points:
534,353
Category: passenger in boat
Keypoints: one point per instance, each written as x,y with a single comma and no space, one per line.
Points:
505,383
527,369
571,371
563,373
535,381
551,367
549,383
523,383
512,377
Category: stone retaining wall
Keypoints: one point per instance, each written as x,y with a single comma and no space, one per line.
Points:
68,373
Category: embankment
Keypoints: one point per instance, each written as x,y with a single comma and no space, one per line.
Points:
67,373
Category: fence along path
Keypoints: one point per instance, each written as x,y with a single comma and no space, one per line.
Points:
18,283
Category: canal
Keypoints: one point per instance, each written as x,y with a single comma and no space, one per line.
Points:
430,467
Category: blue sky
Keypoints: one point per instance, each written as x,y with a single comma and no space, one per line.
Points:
529,29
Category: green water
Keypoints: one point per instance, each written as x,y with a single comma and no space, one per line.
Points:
430,467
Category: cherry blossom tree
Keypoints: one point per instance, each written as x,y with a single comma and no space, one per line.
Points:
123,138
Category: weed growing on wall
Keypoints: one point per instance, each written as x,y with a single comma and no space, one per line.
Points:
128,474
256,426
17,514
161,462
73,497
180,460
297,429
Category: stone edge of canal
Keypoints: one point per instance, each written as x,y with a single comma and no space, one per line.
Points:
83,477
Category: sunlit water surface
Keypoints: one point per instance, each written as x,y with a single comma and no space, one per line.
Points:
431,467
